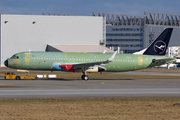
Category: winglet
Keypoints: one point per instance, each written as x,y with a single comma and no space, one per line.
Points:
112,57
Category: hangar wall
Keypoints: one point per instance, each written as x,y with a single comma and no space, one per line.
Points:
151,32
33,32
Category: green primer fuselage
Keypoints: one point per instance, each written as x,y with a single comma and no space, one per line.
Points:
48,60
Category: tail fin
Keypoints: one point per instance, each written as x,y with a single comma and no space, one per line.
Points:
160,44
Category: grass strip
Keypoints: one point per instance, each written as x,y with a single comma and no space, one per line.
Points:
91,108
71,75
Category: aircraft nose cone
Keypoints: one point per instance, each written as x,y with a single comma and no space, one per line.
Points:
6,63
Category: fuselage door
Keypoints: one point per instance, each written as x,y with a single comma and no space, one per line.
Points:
27,57
140,60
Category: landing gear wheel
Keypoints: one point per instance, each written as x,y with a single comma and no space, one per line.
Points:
84,77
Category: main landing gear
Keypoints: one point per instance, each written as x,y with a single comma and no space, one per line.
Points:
84,76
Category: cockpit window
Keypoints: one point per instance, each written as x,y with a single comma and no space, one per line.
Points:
15,57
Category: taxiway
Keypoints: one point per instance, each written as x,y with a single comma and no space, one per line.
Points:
67,88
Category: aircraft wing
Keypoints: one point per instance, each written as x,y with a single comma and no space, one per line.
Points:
162,60
85,66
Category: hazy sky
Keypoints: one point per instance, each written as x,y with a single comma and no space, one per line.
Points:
86,7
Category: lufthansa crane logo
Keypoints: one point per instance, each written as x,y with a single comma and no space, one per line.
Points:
160,46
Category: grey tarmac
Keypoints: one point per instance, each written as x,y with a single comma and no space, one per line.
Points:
70,88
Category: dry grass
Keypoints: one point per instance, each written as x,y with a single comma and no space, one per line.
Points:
77,75
91,109
161,70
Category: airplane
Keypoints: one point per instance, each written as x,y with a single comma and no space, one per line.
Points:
94,62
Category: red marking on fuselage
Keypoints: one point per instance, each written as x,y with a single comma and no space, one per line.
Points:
68,67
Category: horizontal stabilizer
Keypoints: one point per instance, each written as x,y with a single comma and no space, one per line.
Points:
162,60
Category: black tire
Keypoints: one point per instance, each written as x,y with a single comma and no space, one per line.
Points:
17,77
84,77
